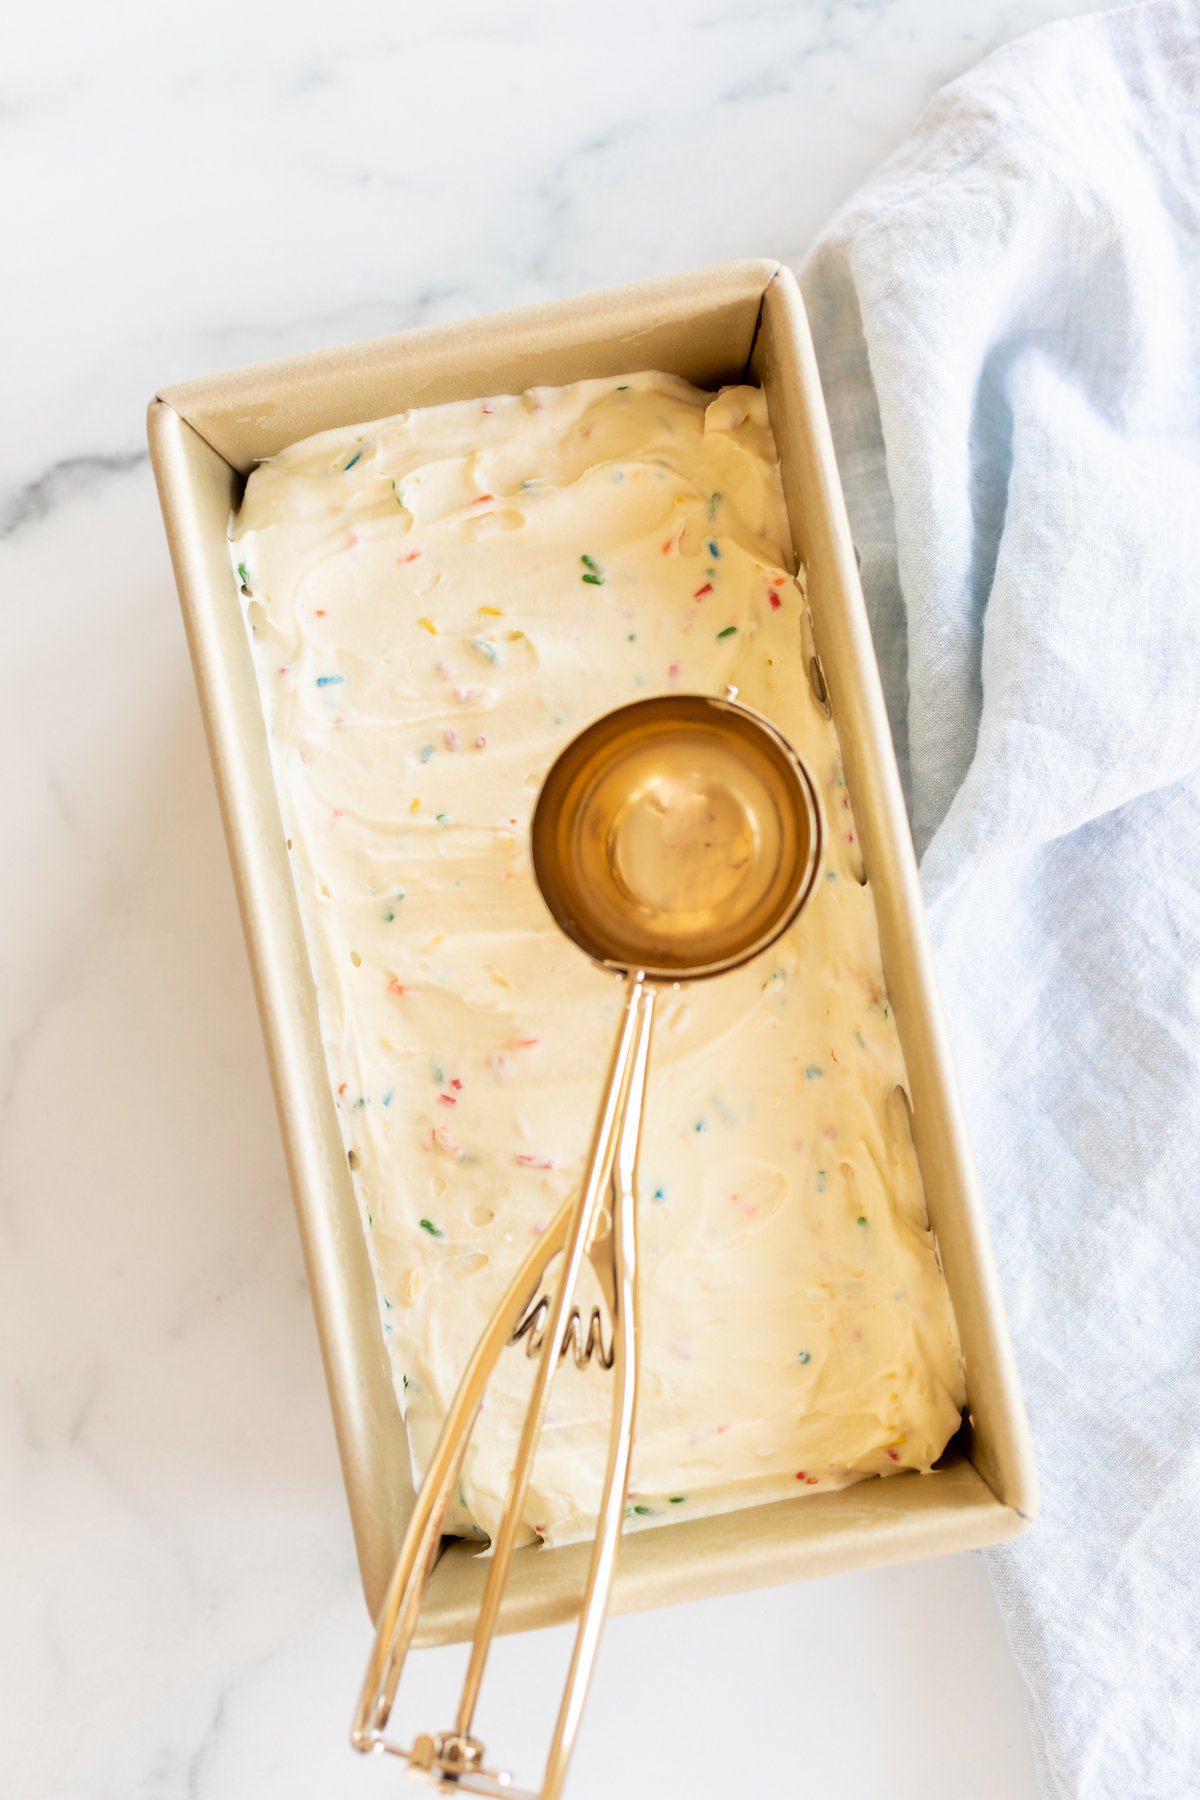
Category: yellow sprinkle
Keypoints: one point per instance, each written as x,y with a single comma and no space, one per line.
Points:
356,959
416,806
429,625
439,939
387,1043
493,612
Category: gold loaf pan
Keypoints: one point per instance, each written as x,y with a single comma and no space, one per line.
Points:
735,322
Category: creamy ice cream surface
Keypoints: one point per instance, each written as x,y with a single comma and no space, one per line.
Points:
438,602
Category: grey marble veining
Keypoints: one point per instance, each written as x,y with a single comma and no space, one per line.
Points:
185,191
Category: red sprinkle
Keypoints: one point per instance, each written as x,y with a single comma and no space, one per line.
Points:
481,743
483,500
536,1162
673,671
450,739
527,1043
411,557
320,613
701,591
396,986
895,1455
447,1100
343,1086
776,602
456,1084
800,1475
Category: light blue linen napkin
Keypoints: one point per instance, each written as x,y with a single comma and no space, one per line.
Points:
1007,319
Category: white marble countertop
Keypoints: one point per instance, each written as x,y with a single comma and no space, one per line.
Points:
188,189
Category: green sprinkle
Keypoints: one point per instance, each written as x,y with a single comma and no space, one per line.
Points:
439,1074
632,638
593,580
643,1512
443,818
623,388
700,1125
862,1042
388,918
713,504
489,651
396,487
831,874
803,1357
244,576
659,1194
404,1379
822,1184
812,1073
677,1499
861,1219
429,1226
357,457
728,631
589,564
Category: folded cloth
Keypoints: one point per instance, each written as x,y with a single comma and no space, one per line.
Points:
1007,320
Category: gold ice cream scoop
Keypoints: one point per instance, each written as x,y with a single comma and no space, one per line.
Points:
672,840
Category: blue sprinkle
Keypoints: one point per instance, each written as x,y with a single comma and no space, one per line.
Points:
388,1304
660,1195
714,549
812,1073
618,474
700,1125
804,1357
389,1096
330,680
426,752
355,458
831,875
821,1183
485,649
